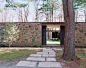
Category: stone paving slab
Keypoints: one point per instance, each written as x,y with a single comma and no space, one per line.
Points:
50,64
35,59
51,55
45,59
42,53
48,56
50,59
55,49
33,64
35,55
48,51
45,55
12,67
26,64
23,63
52,51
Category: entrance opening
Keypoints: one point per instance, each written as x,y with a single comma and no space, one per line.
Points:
53,35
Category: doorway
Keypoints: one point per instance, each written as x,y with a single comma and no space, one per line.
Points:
53,35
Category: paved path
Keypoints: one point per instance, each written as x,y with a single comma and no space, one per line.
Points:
44,59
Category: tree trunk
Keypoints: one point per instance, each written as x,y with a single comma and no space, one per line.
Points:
52,12
50,17
47,18
9,45
69,40
85,14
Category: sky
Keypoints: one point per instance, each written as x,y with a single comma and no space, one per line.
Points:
12,15
13,12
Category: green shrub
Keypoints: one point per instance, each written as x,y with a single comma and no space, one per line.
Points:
10,33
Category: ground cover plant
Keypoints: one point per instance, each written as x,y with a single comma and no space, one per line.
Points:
10,33
80,61
11,56
53,41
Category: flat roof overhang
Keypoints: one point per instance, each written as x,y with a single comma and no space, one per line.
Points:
43,22
54,23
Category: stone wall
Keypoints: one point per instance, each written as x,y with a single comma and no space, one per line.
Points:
30,34
80,34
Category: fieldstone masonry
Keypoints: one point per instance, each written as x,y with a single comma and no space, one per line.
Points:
80,34
29,35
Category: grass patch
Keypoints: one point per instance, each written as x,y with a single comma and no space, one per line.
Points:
14,53
68,63
81,52
59,55
81,66
80,58
53,41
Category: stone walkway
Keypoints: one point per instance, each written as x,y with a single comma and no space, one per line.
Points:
45,59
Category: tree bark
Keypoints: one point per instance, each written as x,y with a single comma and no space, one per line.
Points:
69,40
85,14
47,18
50,17
9,45
52,12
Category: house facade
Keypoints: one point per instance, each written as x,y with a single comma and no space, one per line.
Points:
35,33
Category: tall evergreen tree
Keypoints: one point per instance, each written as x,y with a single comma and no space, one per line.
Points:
81,3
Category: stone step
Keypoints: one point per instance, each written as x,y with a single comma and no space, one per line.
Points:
49,64
35,55
48,51
42,53
50,56
52,53
35,59
26,64
50,59
55,49
45,59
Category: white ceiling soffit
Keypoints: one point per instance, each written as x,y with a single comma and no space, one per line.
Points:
53,26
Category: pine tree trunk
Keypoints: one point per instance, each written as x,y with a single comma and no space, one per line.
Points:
9,45
69,40
50,17
47,19
85,14
52,12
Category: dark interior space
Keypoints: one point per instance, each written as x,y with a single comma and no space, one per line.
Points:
54,34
